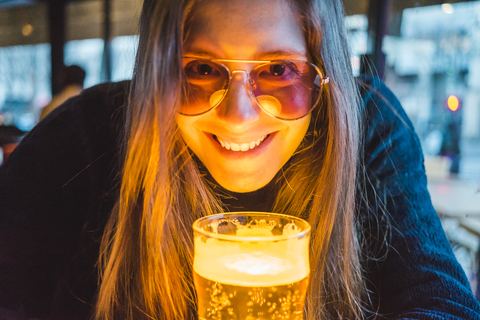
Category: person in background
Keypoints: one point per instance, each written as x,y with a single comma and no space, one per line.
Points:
451,141
71,79
234,105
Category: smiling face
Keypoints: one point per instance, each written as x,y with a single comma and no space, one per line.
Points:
242,146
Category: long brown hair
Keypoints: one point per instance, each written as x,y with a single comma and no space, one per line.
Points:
147,250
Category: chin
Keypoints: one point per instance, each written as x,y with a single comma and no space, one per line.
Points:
242,186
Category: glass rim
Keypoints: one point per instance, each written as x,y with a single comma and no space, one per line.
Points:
233,238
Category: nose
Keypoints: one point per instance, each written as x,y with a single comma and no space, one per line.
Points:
239,108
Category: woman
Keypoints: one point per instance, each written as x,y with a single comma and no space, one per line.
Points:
206,130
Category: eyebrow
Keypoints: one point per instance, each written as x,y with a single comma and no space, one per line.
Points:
283,54
200,53
270,55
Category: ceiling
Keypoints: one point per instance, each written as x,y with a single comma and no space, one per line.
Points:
85,18
361,6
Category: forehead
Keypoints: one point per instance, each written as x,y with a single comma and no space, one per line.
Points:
245,29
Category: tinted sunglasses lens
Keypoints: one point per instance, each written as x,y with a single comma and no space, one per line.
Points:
287,89
204,87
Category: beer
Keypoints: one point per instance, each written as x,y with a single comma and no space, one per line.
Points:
255,272
217,300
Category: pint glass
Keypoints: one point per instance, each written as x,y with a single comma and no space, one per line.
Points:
251,266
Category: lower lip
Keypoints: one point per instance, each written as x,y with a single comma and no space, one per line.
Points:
242,154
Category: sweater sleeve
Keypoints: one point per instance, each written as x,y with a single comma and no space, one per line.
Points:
412,272
54,180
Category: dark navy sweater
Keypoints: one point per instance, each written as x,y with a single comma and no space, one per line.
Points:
60,184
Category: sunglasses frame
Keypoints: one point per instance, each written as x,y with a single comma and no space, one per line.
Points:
258,64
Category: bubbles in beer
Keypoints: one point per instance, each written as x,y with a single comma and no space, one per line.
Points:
255,228
291,229
231,302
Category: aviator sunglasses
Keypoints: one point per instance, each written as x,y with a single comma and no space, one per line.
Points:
285,89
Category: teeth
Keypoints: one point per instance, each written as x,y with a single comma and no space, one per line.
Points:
245,147
241,147
234,146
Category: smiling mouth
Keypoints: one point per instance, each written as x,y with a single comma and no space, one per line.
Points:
241,146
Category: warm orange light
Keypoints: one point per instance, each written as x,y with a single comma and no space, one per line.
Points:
27,30
453,103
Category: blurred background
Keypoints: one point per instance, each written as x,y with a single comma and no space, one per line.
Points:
427,51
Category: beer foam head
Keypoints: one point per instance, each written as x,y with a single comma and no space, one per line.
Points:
255,263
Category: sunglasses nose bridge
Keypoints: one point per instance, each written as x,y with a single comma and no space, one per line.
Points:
238,107
240,77
237,74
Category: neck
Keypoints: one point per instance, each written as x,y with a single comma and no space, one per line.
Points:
260,200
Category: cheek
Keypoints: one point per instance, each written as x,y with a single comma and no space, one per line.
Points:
189,134
292,139
298,129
